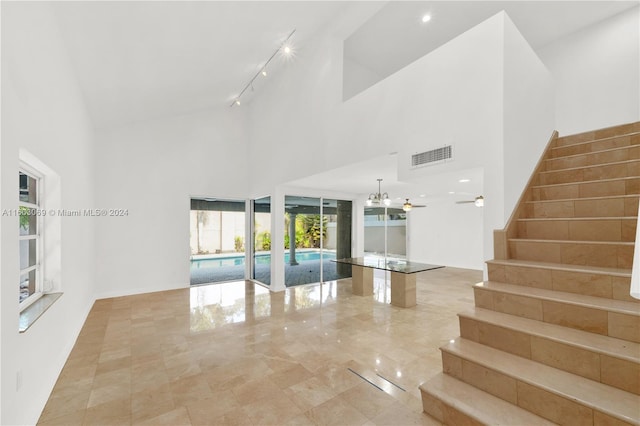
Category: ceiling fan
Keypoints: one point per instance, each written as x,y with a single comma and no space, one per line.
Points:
407,206
479,201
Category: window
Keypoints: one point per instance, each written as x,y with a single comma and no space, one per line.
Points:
30,239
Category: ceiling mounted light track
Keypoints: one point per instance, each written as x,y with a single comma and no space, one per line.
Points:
285,48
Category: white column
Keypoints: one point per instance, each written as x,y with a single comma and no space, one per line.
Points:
277,241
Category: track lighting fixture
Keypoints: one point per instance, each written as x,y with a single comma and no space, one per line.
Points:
285,48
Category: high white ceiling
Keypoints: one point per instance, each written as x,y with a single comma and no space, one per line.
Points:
137,60
396,36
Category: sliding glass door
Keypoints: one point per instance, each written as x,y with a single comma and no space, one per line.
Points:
385,232
262,240
217,233
337,216
316,231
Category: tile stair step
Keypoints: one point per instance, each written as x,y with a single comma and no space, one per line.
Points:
599,172
606,345
576,219
608,360
604,156
619,272
454,402
600,303
611,283
595,145
608,254
613,228
616,187
609,317
597,135
614,206
536,384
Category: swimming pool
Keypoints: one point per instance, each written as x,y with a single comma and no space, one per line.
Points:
238,260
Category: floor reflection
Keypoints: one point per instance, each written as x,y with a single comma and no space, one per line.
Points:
215,305
382,286
234,353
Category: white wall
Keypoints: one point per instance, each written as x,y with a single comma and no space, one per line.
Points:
43,113
529,118
356,78
453,95
448,234
597,74
153,169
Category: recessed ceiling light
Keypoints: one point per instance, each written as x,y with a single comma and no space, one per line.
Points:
422,195
426,18
451,192
464,180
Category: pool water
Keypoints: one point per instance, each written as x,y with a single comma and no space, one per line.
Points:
238,260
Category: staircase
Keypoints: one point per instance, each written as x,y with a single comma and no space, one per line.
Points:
554,337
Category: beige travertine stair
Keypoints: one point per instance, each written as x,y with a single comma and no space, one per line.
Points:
554,333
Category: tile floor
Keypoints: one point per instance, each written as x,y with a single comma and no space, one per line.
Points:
235,353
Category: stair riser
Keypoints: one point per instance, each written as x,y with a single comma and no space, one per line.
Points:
631,152
607,171
445,413
599,135
603,368
597,321
600,207
531,398
612,255
610,188
597,285
579,230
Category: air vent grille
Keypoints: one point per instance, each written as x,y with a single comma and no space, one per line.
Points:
435,155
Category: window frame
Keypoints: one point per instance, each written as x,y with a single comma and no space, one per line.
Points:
38,236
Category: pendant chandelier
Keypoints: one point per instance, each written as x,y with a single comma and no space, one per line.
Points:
378,197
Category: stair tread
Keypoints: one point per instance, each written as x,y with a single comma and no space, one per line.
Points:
635,160
589,181
619,306
538,240
620,272
593,140
478,404
545,219
585,198
604,398
611,346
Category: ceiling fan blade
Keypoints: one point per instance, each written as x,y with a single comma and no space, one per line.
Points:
465,202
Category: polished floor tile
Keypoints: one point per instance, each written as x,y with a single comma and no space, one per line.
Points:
235,353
